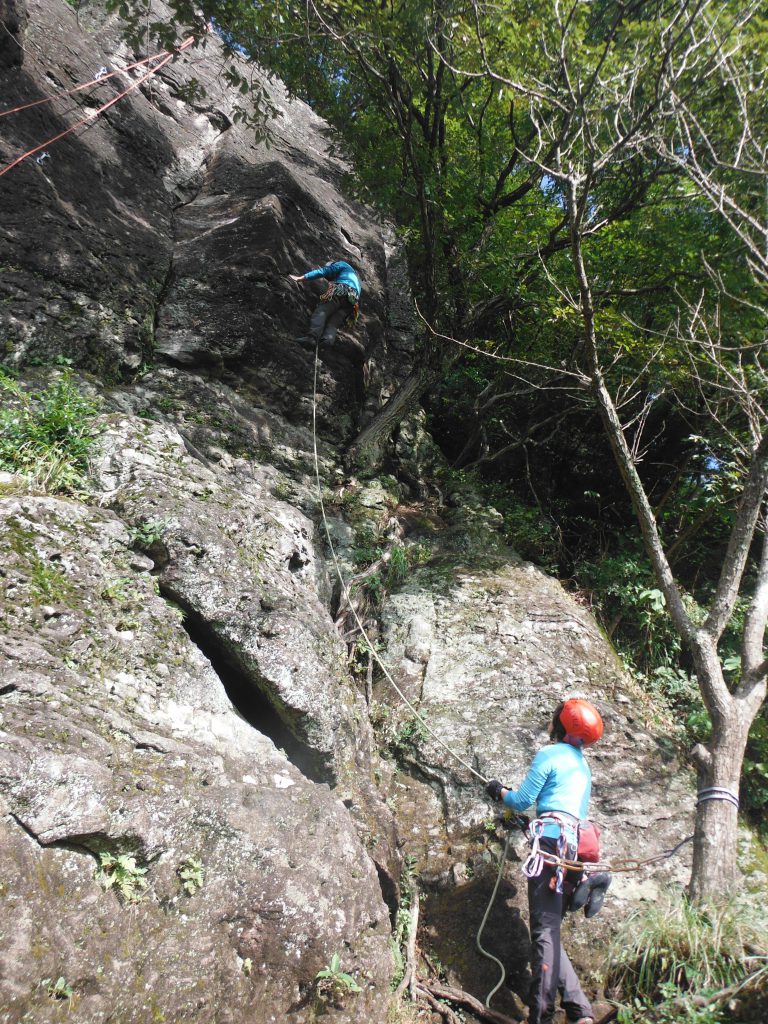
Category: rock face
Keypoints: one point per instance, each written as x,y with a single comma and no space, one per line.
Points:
119,740
178,702
166,229
13,15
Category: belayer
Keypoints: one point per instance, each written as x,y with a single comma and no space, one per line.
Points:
337,304
559,782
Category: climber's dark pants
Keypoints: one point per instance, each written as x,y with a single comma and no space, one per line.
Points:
550,967
327,318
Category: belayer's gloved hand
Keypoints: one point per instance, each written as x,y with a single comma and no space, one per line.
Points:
493,789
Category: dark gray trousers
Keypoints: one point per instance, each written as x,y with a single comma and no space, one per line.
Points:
551,969
327,318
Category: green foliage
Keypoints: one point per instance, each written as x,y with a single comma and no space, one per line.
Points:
409,734
48,436
122,874
667,952
401,930
334,983
632,610
754,788
147,533
527,529
191,874
121,590
397,567
47,581
58,989
365,553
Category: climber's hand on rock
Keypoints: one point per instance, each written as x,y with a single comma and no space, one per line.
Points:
494,789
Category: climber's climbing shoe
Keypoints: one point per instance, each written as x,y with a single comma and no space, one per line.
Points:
590,893
600,883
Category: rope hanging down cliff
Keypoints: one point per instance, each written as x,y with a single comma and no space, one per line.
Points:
166,57
346,595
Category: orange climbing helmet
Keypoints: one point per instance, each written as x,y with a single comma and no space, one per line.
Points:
581,721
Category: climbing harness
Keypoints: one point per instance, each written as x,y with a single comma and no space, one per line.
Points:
567,846
344,291
90,117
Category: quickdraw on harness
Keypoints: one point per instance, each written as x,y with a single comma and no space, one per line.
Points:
344,291
567,847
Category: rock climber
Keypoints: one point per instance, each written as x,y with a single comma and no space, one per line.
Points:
559,782
337,304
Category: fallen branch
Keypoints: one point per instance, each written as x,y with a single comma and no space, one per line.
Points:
462,998
442,1008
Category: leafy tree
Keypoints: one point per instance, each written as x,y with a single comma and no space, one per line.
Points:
605,107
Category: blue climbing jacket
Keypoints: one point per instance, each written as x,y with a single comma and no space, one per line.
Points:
339,272
559,779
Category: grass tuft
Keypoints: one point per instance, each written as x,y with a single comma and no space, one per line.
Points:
676,961
47,436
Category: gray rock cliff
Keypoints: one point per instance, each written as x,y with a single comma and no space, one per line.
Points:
207,788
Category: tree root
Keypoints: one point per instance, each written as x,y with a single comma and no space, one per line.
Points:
410,979
442,1008
435,990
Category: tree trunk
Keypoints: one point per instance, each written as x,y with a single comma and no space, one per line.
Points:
714,871
367,446
366,449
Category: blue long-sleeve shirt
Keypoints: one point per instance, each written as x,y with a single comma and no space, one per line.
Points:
559,779
339,272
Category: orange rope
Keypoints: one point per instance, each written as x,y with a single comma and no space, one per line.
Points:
90,117
85,85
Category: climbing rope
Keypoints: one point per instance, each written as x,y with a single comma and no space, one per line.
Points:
94,114
614,867
345,592
478,943
97,80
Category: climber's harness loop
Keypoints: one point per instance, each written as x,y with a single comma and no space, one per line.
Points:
344,291
534,862
567,846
